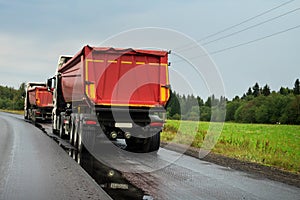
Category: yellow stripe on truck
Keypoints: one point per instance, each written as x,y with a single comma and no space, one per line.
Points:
163,93
126,62
92,90
86,70
92,60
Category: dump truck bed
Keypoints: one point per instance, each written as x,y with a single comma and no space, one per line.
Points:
40,97
117,77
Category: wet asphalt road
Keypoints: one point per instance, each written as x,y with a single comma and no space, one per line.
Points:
170,175
32,166
165,175
191,178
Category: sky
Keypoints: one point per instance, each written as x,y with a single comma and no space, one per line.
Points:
34,33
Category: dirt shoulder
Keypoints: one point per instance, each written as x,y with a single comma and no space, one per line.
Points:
249,167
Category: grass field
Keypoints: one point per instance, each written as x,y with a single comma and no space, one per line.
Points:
272,145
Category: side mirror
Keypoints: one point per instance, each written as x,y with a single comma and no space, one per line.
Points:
50,84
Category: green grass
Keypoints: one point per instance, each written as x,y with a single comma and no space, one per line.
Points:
271,145
19,112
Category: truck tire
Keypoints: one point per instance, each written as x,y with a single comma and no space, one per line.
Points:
33,117
79,146
131,143
26,114
144,145
62,134
72,131
54,129
72,136
152,143
81,150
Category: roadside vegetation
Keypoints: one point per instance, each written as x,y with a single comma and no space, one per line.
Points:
261,126
11,98
272,145
257,105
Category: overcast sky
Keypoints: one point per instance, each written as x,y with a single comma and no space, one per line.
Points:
34,33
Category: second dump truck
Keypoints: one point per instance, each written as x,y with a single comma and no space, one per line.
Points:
122,92
38,102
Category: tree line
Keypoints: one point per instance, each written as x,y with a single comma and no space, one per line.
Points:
11,98
257,105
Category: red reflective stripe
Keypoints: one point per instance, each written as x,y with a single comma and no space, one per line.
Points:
156,124
90,122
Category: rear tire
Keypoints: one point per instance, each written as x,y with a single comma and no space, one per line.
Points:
54,129
72,131
143,145
33,117
62,134
81,150
26,114
152,143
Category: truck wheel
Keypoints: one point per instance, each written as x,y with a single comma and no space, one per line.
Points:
33,118
131,143
152,143
143,145
25,114
72,132
75,138
62,134
71,139
81,150
55,131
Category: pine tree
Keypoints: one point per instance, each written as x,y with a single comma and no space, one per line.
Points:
256,90
200,101
174,105
208,102
266,90
296,90
249,92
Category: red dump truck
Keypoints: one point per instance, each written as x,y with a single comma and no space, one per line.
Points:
38,102
119,92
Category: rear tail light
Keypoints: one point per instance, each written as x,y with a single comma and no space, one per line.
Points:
157,124
90,122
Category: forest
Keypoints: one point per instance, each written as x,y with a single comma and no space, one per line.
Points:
256,105
11,98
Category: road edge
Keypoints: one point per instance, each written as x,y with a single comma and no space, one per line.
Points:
233,163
